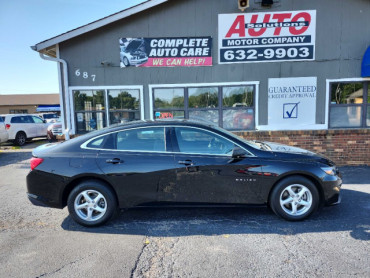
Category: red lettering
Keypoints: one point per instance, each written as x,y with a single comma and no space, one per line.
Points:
306,17
254,33
238,27
280,18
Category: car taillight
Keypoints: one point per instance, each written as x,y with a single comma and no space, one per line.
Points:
7,126
35,161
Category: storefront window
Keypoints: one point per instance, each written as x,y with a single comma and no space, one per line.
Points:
238,96
238,119
231,107
91,112
169,98
88,100
347,106
203,97
169,103
124,106
204,115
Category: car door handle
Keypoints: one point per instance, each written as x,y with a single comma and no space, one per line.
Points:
186,162
114,161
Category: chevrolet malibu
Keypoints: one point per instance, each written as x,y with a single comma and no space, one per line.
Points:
177,163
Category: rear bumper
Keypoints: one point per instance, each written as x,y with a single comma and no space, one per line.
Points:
37,200
44,189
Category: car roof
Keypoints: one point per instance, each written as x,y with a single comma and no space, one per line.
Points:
162,122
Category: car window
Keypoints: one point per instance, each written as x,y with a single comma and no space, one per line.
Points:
103,142
198,141
21,120
1,119
37,120
142,139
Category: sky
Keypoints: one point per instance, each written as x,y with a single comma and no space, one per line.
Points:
24,23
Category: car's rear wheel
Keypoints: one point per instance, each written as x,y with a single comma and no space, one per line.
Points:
92,203
20,138
294,198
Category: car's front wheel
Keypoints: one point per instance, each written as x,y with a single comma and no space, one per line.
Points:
294,198
126,62
92,203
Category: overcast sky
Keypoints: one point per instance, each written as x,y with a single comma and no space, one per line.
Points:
24,23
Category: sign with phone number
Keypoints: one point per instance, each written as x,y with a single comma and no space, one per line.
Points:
259,54
267,37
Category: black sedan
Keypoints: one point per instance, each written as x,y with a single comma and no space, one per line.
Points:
177,162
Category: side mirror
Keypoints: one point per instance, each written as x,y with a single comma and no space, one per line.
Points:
44,121
238,152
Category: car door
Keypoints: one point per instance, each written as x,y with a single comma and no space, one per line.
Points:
206,172
23,123
41,127
137,162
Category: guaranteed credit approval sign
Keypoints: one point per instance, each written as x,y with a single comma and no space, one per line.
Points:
267,37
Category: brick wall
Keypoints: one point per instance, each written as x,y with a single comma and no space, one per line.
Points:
344,147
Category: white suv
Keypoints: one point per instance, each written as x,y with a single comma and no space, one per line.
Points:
3,133
22,127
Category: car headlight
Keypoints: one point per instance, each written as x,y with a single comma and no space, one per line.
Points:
329,170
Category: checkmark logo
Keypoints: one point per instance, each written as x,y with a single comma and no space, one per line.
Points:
290,110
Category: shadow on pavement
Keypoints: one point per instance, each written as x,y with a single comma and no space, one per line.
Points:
352,215
10,154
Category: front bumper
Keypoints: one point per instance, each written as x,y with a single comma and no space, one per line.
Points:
332,187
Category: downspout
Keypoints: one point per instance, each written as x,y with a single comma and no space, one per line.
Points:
64,94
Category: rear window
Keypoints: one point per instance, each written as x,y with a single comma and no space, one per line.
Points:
1,119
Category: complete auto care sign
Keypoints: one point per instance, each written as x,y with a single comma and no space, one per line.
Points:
166,52
267,37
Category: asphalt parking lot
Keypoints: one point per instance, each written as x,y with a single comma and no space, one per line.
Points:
188,242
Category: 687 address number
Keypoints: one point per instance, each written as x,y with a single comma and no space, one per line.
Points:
266,54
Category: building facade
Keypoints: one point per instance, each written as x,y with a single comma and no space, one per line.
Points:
29,103
287,72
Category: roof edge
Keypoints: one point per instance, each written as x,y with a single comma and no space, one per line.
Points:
97,24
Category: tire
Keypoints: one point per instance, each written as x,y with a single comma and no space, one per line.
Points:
126,62
20,138
97,203
294,198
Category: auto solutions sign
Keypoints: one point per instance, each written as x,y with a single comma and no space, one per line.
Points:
166,52
267,37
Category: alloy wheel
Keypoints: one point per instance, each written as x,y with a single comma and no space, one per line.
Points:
90,205
296,199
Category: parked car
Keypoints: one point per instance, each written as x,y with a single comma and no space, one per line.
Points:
53,130
48,117
177,162
23,127
3,132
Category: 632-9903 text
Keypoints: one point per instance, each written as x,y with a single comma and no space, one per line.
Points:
264,54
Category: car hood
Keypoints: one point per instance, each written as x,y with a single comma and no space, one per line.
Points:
295,153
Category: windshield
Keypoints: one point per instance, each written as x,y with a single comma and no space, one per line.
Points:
248,142
50,116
